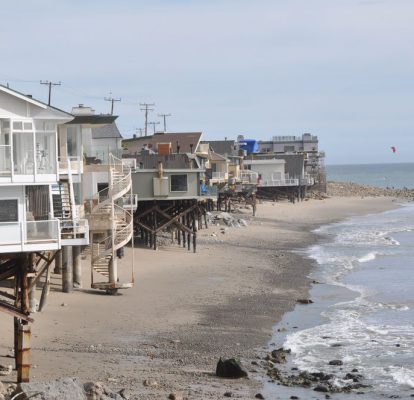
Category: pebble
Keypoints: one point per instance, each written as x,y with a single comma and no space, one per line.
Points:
150,383
174,396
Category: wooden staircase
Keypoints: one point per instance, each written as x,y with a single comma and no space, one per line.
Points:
107,208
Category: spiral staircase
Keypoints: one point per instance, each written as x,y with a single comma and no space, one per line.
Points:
111,228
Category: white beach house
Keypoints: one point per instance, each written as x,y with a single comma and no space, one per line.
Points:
37,210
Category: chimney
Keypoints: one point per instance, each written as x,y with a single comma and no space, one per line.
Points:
134,136
83,110
29,96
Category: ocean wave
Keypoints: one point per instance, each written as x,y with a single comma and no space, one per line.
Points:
368,257
403,376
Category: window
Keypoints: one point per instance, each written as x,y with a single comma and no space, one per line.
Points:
178,183
9,210
72,141
46,152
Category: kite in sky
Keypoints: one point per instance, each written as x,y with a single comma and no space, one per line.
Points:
394,149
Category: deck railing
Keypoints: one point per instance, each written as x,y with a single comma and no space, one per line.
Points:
282,182
72,163
29,233
248,176
219,175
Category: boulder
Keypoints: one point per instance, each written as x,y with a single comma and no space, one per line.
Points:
279,356
304,301
66,389
60,389
336,362
230,368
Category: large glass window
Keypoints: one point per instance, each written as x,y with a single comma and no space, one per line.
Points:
23,156
46,152
179,183
5,148
72,141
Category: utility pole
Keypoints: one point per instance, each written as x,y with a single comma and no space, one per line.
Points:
146,109
112,100
153,125
164,117
139,130
50,84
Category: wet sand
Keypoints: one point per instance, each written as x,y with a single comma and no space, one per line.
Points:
186,310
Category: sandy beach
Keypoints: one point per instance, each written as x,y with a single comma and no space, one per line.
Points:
186,310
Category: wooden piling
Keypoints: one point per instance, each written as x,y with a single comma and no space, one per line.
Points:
77,266
58,263
67,269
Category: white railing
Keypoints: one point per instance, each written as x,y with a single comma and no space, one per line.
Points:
76,227
284,182
30,233
308,181
219,175
5,160
74,164
248,176
130,202
130,162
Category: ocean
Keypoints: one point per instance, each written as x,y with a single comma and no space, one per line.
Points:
363,310
383,175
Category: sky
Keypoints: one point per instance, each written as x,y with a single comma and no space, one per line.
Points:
339,69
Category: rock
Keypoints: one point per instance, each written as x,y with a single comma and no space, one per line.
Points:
304,301
5,370
242,222
150,383
321,388
336,362
228,394
279,356
174,396
97,390
230,368
64,305
294,398
123,394
62,389
259,396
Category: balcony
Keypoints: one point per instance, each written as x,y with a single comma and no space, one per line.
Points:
74,233
219,177
29,236
70,165
130,202
248,176
279,183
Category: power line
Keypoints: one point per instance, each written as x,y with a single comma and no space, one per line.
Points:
112,100
50,84
153,125
140,130
146,109
164,117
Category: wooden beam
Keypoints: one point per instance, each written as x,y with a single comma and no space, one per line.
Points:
39,273
14,311
8,295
